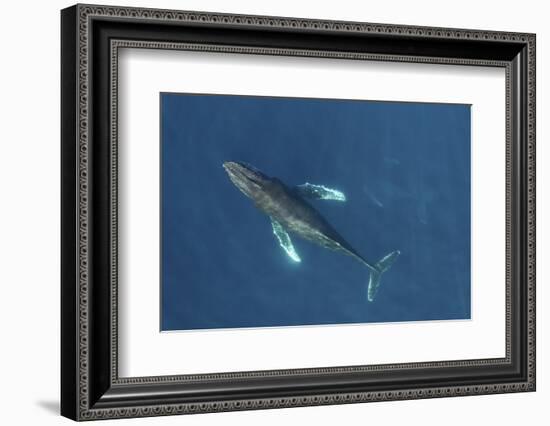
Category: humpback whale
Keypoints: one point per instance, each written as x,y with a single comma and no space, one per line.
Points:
291,213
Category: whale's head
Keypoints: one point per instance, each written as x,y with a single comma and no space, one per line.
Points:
247,178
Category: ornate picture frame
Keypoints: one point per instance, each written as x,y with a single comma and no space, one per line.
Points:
91,38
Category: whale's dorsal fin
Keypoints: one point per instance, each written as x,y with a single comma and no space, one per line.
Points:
284,240
319,192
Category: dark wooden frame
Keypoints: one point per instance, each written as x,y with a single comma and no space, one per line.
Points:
90,386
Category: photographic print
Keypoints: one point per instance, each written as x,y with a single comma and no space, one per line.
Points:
298,212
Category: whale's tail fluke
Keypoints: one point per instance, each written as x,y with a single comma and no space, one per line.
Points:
376,273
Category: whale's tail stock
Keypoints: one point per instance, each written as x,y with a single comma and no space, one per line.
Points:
376,273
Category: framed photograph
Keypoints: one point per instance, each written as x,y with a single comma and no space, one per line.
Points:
263,212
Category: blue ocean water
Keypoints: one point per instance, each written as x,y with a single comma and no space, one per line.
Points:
404,168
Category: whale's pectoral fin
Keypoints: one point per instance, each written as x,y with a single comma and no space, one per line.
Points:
319,192
284,240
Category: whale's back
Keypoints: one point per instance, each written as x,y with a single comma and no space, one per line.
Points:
299,217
